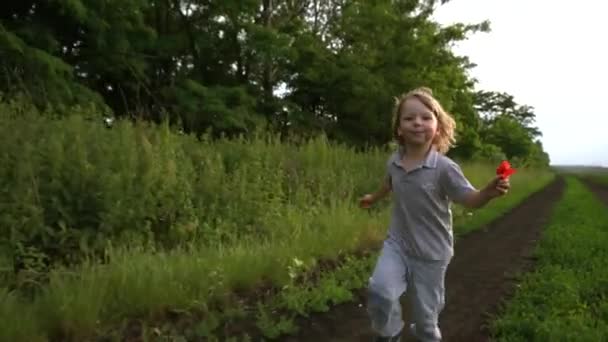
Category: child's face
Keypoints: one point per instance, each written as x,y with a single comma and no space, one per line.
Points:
417,124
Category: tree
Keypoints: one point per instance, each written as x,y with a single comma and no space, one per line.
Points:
236,66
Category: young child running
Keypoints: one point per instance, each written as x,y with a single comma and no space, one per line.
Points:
419,246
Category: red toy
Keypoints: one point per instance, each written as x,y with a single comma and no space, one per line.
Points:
505,170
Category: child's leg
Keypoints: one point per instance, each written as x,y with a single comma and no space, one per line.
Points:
387,284
427,281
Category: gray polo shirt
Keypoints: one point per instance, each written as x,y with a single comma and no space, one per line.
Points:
421,220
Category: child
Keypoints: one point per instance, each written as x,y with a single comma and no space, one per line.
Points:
419,245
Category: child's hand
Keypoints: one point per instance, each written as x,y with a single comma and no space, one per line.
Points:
366,201
498,187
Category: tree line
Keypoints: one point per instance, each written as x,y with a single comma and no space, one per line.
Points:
295,67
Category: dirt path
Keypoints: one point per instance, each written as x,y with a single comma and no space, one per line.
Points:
481,273
600,190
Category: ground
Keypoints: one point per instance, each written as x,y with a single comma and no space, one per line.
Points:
481,275
600,190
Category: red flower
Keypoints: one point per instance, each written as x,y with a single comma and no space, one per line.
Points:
504,170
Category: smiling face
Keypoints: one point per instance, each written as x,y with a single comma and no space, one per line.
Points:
417,123
420,121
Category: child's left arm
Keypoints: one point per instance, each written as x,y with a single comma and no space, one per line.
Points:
496,188
458,188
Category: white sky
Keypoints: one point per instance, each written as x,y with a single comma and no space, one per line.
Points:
550,55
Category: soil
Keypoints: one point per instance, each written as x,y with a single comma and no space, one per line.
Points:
600,190
482,274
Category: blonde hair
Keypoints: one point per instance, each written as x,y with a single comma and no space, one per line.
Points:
446,125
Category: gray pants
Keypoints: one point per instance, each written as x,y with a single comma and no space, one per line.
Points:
394,272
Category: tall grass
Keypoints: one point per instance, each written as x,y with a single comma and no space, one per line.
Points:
70,187
181,222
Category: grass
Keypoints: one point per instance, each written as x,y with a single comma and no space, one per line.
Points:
144,284
183,224
565,298
601,178
595,174
524,183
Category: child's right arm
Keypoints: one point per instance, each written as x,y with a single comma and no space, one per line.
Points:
369,199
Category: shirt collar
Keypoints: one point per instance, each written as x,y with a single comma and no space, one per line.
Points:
430,161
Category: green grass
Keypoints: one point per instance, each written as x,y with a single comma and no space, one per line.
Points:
143,284
524,183
600,178
595,174
183,224
565,298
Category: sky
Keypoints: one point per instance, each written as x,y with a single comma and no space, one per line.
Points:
549,55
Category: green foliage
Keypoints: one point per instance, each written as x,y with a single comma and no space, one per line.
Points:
79,185
234,67
564,299
509,126
67,52
226,109
489,152
309,292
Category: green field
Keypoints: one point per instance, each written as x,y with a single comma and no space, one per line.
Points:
601,178
138,221
564,299
595,174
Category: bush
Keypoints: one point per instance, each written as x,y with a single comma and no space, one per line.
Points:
71,186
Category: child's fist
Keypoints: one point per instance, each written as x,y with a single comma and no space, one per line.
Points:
503,185
498,187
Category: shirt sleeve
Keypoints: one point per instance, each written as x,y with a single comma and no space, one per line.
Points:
453,182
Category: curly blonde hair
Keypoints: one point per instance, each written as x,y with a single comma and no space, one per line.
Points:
446,125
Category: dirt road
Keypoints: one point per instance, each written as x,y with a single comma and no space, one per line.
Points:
481,274
600,190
